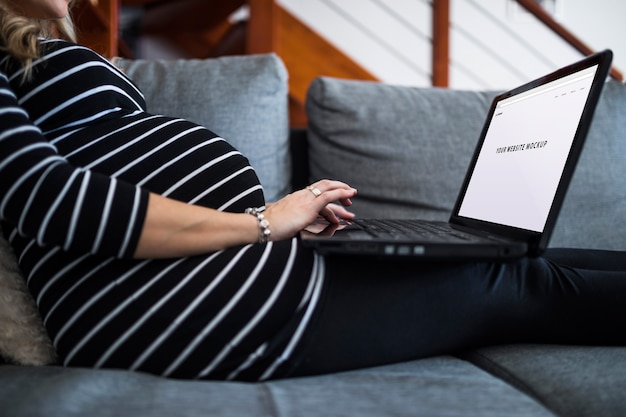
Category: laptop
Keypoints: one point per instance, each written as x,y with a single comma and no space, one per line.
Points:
514,187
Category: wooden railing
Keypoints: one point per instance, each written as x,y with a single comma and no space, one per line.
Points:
441,26
198,29
539,12
189,25
98,27
441,43
193,26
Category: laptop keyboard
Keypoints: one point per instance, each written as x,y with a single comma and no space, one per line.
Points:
407,229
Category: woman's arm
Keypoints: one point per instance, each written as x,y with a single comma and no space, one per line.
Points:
173,229
48,199
58,204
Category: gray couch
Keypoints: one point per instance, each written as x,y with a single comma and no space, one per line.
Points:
406,150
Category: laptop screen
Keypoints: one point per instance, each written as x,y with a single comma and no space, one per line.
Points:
524,152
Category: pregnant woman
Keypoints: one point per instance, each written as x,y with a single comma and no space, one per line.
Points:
148,245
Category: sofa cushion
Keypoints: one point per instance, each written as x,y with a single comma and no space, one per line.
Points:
576,381
442,386
241,98
23,339
406,150
594,211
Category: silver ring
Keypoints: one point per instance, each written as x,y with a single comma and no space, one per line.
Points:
316,191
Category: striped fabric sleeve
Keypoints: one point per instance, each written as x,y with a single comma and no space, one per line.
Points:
58,204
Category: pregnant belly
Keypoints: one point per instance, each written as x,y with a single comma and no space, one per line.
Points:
168,156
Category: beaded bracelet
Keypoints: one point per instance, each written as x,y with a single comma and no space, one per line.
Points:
264,225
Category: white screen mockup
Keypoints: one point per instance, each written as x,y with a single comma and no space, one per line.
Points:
524,152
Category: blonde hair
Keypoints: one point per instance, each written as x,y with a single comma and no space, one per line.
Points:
20,36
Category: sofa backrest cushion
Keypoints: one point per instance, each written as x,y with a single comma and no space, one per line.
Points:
406,150
23,338
241,98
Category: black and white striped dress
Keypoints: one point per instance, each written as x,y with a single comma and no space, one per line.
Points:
78,156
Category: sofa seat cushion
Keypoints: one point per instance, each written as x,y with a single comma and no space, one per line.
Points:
241,98
406,150
441,386
574,381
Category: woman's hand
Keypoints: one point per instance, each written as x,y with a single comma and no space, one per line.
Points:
173,228
299,209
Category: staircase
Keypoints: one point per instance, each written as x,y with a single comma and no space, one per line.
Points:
305,54
202,29
205,28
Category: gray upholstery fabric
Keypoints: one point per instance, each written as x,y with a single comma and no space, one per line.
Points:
242,99
594,211
573,381
407,149
442,386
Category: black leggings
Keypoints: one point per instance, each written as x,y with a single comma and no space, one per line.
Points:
376,312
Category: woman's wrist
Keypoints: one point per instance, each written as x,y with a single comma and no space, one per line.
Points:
262,223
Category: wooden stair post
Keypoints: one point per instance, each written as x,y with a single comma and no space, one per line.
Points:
441,43
97,23
263,24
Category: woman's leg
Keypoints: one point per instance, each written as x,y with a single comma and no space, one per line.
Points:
379,312
588,259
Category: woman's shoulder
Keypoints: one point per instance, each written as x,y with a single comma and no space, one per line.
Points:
55,47
50,50
58,56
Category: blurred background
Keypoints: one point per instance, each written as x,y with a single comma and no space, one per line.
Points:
462,44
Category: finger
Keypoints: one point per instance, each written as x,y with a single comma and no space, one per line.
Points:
337,191
329,215
314,190
328,185
346,202
340,211
341,195
344,214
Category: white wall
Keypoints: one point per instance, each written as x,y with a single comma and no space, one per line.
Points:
491,40
391,38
